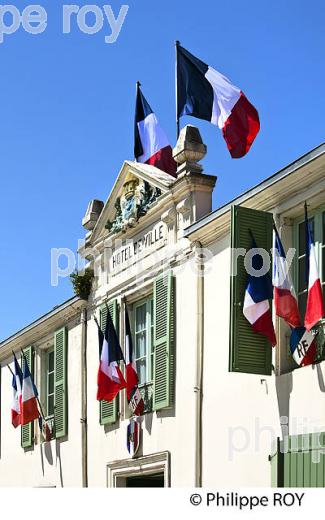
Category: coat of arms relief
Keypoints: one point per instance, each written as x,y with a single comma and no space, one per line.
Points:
136,198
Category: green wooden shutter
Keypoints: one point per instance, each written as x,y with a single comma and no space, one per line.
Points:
27,431
300,461
108,411
164,339
60,383
249,352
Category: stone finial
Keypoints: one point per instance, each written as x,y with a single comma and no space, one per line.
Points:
189,150
93,212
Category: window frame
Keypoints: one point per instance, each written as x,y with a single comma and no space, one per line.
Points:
319,241
148,301
317,215
117,472
46,389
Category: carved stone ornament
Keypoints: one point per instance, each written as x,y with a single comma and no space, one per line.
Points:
136,198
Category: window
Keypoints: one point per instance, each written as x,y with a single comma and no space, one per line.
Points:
302,281
143,349
317,222
49,383
143,328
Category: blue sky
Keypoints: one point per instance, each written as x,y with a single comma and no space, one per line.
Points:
67,105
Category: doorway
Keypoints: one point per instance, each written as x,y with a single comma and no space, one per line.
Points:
153,480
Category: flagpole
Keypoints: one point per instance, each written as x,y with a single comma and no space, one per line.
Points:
136,129
177,43
11,371
96,321
15,359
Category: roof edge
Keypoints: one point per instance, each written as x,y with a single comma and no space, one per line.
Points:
272,179
50,314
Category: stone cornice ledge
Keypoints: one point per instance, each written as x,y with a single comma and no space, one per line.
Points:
144,460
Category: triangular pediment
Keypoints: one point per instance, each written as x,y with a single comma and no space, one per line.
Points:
136,188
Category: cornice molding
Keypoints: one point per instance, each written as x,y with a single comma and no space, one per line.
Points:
281,196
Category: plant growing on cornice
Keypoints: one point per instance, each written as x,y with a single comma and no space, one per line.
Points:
82,282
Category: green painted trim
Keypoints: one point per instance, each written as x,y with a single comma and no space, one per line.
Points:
47,353
60,382
27,431
108,411
249,353
297,467
164,341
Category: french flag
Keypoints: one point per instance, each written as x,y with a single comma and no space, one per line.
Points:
17,379
315,304
204,93
285,301
45,429
259,291
151,145
110,379
29,408
134,397
303,346
133,432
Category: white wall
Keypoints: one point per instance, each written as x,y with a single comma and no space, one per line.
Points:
57,463
240,411
241,414
168,430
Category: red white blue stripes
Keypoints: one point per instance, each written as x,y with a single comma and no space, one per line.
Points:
151,145
110,379
303,346
302,342
256,307
205,93
285,301
17,379
134,397
29,407
315,304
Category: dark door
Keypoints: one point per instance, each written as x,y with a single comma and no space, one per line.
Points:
154,480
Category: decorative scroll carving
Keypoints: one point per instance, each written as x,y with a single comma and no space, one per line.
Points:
135,201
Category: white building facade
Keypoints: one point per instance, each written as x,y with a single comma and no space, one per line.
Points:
220,404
